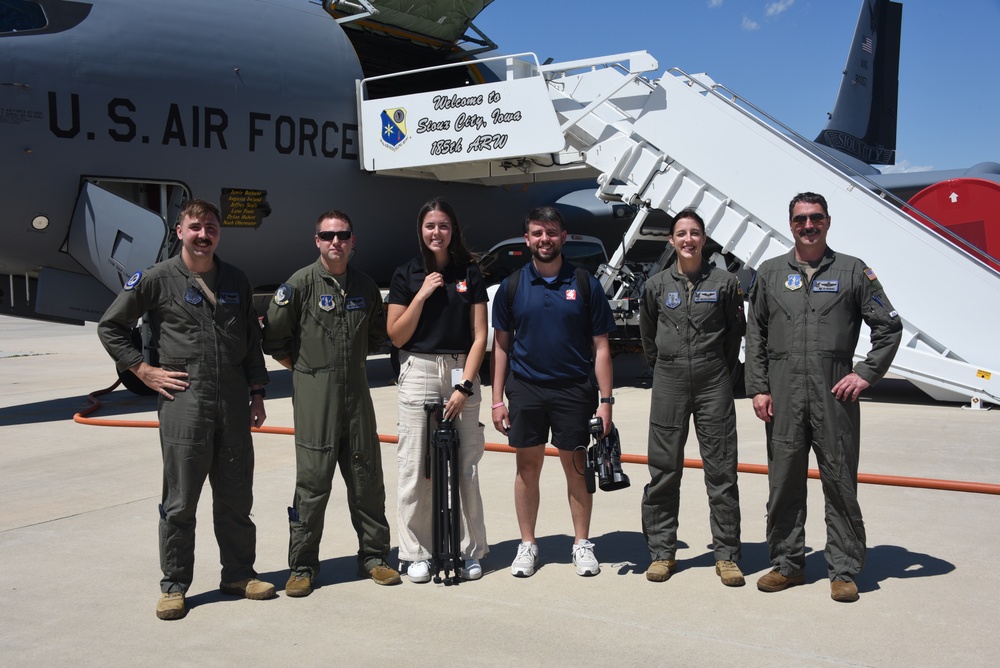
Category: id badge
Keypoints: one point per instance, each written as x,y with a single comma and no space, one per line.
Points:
456,376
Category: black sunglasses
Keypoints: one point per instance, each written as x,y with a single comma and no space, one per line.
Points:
330,235
814,217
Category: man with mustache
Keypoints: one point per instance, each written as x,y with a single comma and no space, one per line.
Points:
551,337
211,384
806,309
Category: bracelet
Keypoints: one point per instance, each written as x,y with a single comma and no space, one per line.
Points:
496,405
464,390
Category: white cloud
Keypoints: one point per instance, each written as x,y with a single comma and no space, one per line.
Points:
775,8
749,24
713,4
904,167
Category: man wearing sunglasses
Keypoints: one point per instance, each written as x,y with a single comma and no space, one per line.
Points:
806,309
322,324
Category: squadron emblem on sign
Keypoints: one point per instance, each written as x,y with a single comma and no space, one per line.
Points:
393,133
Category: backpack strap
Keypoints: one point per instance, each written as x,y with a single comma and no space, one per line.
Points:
583,288
513,282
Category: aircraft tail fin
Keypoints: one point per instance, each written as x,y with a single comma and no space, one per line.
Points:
863,122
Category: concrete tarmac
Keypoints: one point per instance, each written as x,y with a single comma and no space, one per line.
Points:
79,572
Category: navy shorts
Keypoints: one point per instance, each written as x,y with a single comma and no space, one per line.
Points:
565,407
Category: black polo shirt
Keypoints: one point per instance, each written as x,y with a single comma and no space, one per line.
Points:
444,325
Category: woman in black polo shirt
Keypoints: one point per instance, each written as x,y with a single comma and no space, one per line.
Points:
437,318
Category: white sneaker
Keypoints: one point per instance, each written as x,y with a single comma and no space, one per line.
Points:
472,570
419,571
584,559
525,561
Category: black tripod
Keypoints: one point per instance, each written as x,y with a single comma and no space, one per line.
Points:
442,456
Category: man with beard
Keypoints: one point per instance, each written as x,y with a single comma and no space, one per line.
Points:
806,309
551,325
211,384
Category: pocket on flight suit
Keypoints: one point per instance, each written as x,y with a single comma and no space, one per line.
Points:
235,461
662,435
362,473
712,439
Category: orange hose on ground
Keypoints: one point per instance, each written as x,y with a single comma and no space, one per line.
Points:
867,478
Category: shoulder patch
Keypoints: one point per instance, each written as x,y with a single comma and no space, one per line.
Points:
283,294
133,281
872,278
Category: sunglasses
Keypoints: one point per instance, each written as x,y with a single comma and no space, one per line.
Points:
814,217
330,235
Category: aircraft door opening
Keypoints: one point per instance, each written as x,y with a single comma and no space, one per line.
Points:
112,237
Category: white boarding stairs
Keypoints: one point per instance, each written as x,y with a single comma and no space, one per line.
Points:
678,142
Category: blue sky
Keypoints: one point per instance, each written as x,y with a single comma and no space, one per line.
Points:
786,56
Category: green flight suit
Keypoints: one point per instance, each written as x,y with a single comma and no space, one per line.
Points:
691,337
328,333
205,430
800,342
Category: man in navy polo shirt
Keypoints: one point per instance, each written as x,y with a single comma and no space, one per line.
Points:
551,340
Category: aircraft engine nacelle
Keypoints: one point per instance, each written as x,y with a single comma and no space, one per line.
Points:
968,208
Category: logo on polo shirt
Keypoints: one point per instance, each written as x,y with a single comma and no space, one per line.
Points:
461,286
571,295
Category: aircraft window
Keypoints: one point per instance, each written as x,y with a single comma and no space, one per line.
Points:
20,15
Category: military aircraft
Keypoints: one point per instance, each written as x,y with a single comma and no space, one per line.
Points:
112,112
861,133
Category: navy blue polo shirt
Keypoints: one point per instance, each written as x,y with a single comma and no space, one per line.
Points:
552,340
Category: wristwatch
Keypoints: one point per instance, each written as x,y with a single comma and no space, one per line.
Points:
608,400
260,391
465,388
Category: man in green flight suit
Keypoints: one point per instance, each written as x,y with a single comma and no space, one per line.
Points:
806,309
201,314
322,324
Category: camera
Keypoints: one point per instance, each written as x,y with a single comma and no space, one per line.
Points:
604,459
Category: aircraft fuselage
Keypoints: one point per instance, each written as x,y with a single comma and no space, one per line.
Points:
248,104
